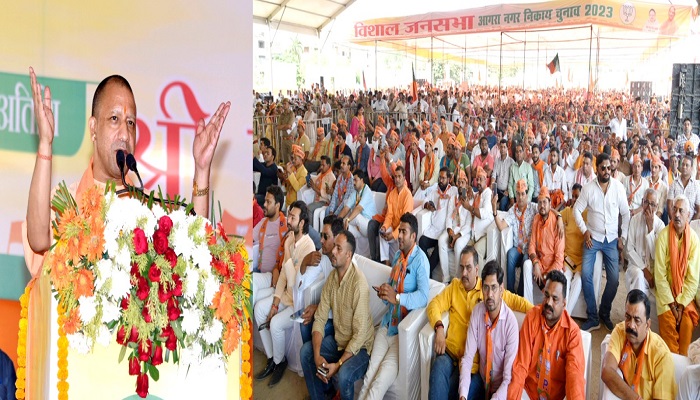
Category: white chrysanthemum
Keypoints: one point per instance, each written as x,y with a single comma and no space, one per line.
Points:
121,284
104,336
80,343
212,333
179,218
158,211
123,258
88,308
150,225
109,199
111,245
104,272
182,244
190,283
201,257
191,320
211,286
110,311
191,355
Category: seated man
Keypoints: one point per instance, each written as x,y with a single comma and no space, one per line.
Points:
689,385
321,148
343,190
496,340
344,355
638,364
404,291
519,219
429,170
312,266
268,173
437,203
458,229
481,209
573,247
676,269
398,202
635,186
555,180
363,151
550,361
501,174
360,207
269,235
294,175
546,249
277,309
321,187
459,299
641,240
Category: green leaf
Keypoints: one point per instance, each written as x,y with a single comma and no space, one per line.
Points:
167,355
176,357
122,353
153,371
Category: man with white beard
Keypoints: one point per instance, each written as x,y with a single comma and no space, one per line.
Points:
437,203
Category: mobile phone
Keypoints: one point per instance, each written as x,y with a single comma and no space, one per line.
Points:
297,316
322,371
376,289
264,326
462,192
308,180
432,204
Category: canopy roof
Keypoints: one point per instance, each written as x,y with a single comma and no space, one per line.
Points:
302,16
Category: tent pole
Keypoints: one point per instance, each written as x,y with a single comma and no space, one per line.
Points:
432,82
500,64
537,62
590,52
487,62
464,60
375,66
524,48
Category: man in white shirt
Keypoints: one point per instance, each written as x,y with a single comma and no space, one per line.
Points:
618,125
555,180
687,186
640,245
658,182
501,174
569,155
326,114
606,200
481,211
457,229
635,186
437,203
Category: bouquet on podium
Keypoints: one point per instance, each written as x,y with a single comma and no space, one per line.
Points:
171,285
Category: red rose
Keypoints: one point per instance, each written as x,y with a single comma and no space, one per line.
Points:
173,309
140,242
157,358
134,336
121,335
154,273
238,273
171,257
163,293
125,303
145,350
143,289
171,343
160,242
142,385
165,224
135,272
134,365
146,315
177,290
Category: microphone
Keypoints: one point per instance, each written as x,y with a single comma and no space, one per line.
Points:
131,163
121,160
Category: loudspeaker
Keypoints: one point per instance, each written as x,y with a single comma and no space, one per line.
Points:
685,97
642,90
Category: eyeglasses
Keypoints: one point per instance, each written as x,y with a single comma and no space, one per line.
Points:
650,204
605,168
325,236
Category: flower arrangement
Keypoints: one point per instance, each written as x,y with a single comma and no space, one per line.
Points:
169,284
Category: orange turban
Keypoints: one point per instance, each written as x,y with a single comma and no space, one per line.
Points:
396,165
521,186
392,133
689,147
343,122
320,130
377,132
457,145
426,123
428,141
544,193
462,175
480,172
436,128
380,120
297,150
334,127
656,160
636,159
456,124
615,154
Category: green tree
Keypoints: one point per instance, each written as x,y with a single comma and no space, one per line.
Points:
292,55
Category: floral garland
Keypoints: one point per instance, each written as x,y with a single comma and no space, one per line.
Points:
169,284
62,373
22,344
246,379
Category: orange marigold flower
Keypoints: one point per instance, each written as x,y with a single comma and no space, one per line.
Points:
231,338
72,324
223,304
210,235
91,203
84,283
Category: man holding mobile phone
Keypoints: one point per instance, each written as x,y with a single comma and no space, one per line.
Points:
437,203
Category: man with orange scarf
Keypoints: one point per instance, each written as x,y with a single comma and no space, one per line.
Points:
294,176
320,149
414,158
429,170
112,127
635,351
550,361
676,270
406,289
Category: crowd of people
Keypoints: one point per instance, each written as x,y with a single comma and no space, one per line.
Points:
568,175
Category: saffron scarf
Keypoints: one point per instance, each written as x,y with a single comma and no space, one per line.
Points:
283,235
625,361
398,276
679,265
489,352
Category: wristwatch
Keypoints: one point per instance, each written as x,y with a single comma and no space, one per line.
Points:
398,298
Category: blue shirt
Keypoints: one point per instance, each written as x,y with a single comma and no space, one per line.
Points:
369,209
415,287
